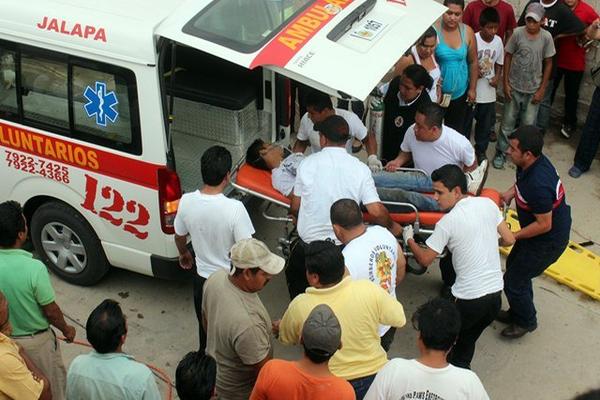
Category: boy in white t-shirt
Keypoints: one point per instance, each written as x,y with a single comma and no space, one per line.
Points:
370,252
213,221
470,232
490,56
429,376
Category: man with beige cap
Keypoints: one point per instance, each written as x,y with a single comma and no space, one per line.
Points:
237,324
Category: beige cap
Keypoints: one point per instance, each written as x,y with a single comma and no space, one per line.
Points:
252,253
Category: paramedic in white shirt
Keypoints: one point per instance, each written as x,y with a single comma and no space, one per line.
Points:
470,231
429,144
429,376
370,252
213,221
318,107
322,178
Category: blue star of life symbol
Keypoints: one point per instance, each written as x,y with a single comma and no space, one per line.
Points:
101,104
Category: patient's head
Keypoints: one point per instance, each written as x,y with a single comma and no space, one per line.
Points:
265,156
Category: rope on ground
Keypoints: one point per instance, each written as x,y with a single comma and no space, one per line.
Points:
160,374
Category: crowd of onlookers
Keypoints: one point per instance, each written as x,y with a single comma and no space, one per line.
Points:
342,273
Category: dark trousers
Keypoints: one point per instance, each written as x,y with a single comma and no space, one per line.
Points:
356,106
484,115
361,385
545,108
527,260
571,85
447,270
475,316
456,114
198,288
295,269
590,136
388,338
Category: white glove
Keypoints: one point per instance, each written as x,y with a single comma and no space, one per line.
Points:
374,164
407,233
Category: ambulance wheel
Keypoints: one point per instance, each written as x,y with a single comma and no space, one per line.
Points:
66,243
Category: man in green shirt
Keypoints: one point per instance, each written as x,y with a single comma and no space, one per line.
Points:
26,285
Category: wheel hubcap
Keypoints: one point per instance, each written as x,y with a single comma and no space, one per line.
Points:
64,248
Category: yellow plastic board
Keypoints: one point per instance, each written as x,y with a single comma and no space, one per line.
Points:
578,268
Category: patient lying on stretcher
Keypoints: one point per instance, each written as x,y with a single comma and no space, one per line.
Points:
283,165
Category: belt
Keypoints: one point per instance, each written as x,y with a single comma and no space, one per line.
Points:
32,334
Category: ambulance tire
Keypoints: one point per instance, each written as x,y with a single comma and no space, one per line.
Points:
73,251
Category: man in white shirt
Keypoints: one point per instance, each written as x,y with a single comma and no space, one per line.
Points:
323,178
470,232
213,221
429,144
318,107
371,253
429,376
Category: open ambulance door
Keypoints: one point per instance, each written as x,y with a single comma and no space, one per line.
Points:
342,47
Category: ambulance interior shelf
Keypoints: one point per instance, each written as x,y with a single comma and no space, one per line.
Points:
207,79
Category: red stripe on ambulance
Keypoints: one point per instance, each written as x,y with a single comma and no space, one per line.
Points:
80,156
289,41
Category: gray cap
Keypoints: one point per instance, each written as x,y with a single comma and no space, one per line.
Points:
322,331
535,11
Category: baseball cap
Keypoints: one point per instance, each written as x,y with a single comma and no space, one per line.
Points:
334,128
535,11
322,331
252,253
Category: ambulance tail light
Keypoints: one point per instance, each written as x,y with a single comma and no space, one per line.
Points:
169,193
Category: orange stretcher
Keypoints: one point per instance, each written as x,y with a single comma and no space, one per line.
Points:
257,182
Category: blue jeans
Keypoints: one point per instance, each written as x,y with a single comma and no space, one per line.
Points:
404,187
527,260
590,136
483,114
420,201
521,108
361,386
543,117
407,180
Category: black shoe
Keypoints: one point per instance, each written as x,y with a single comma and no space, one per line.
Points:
515,331
505,317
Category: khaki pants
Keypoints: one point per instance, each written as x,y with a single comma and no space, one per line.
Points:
44,351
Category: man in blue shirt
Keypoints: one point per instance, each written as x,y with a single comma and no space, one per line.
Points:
545,220
107,372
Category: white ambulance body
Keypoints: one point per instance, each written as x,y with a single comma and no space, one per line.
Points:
106,107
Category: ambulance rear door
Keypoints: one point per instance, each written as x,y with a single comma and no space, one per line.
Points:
343,47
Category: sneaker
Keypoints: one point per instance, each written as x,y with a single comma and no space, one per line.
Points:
566,131
575,172
499,160
476,178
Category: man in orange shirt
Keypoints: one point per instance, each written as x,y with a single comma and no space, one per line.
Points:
309,377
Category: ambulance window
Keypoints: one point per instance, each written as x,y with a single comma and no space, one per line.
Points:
44,90
8,85
243,25
101,105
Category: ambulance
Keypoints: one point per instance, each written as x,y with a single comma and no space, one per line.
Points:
107,106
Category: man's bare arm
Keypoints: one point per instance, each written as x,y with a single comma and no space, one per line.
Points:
300,146
55,316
